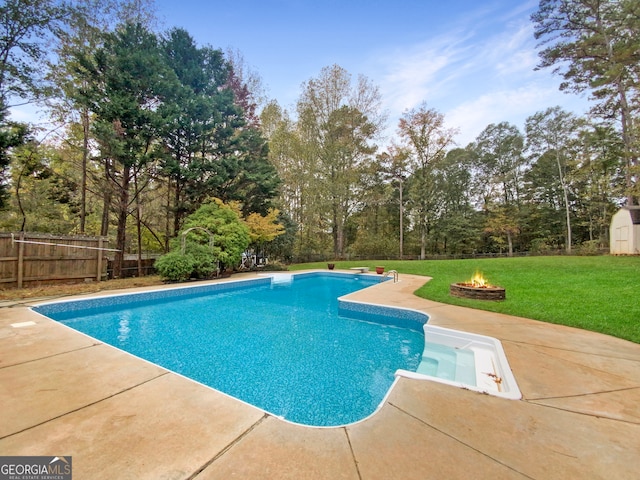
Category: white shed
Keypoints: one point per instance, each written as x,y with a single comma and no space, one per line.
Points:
625,231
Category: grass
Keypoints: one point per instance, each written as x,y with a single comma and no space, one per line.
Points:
593,293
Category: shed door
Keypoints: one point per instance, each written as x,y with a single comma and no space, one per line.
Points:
622,239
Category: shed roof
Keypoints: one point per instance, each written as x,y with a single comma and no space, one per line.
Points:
634,212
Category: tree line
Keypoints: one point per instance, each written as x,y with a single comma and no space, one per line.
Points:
152,126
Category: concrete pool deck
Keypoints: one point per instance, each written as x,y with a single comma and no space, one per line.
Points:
63,393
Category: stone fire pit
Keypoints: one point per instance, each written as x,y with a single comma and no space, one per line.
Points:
478,289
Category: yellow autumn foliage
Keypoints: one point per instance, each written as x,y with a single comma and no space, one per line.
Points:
264,228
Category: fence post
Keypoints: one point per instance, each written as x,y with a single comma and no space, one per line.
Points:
20,273
99,262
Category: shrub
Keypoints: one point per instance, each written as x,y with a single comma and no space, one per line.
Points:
275,266
205,264
539,246
175,267
590,247
231,235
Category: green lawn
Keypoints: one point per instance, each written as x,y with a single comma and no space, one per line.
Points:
594,293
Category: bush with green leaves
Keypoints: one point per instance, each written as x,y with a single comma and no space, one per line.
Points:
590,247
539,246
175,266
205,263
202,252
230,234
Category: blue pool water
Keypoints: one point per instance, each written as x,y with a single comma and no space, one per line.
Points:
290,349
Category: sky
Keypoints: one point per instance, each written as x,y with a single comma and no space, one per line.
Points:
471,60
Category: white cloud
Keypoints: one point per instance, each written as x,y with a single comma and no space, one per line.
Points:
415,73
473,116
461,64
479,73
513,106
511,54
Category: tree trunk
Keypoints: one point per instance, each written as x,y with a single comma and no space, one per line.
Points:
626,117
22,212
568,214
85,158
566,203
401,221
423,241
177,210
631,159
138,224
121,234
167,223
335,233
106,207
106,201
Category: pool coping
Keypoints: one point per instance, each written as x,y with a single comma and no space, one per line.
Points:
66,395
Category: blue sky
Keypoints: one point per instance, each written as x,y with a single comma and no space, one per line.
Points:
472,60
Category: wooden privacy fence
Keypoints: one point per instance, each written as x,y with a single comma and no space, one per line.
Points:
38,259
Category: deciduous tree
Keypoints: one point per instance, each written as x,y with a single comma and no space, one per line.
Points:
27,28
337,123
12,135
498,175
424,133
599,177
553,132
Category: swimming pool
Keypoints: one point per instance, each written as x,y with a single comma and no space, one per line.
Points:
285,344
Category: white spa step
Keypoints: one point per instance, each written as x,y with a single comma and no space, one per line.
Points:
282,279
449,364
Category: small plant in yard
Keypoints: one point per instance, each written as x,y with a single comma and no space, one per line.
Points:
175,266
